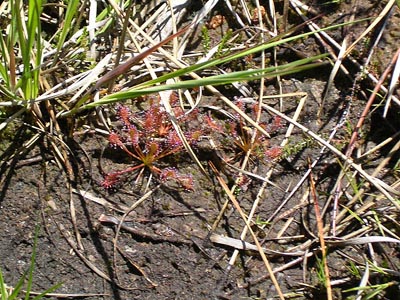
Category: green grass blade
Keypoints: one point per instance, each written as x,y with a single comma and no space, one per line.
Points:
106,13
28,37
17,289
20,35
18,26
72,9
46,292
5,62
212,80
221,79
34,47
3,290
6,92
198,67
32,265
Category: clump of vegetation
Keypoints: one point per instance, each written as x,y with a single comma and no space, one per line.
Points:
148,137
240,138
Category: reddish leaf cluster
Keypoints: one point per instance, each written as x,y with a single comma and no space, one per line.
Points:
245,138
149,136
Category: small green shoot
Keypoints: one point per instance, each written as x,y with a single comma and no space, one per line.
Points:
353,269
260,222
322,279
292,149
205,39
222,48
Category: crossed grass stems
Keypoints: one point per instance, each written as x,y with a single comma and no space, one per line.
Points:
147,150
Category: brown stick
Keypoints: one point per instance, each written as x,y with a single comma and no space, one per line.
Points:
320,227
371,100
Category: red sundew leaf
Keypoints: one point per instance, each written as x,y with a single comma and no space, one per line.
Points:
124,115
153,119
153,149
148,124
134,135
173,140
168,173
115,140
211,124
276,124
164,129
178,112
231,126
148,118
187,182
110,180
273,153
194,136
255,109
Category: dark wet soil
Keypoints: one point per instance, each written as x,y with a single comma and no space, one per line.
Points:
164,250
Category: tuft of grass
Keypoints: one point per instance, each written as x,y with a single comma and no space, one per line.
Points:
20,83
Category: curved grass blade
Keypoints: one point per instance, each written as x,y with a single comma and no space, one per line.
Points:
69,15
34,46
47,292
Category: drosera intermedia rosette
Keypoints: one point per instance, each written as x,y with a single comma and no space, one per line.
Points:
149,138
